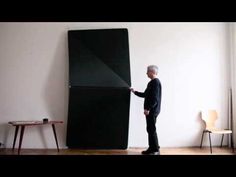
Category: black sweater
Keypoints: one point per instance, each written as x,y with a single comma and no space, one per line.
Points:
152,95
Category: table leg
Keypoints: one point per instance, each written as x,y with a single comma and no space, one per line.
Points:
15,136
21,137
55,135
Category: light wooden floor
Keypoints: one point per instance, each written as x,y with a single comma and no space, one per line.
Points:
130,151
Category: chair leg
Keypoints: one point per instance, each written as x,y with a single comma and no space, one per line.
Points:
222,140
210,142
203,132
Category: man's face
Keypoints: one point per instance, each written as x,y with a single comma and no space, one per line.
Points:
150,73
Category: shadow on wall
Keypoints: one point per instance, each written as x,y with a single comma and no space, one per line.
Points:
56,88
200,126
5,130
42,135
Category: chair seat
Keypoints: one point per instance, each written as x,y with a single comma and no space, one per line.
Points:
217,131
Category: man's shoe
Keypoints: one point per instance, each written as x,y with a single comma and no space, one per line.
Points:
151,152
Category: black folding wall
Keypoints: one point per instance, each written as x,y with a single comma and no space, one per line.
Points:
99,96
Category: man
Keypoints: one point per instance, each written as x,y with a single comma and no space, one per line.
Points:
152,106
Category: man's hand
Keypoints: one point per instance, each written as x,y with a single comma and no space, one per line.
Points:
132,90
146,112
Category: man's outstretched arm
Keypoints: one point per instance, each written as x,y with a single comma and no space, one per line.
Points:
140,94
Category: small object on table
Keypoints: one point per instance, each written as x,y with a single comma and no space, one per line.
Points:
45,120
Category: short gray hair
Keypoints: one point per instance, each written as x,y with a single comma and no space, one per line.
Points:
153,68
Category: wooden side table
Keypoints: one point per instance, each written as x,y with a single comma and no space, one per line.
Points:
23,124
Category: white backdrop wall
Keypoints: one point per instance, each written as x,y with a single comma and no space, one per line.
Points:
232,39
193,60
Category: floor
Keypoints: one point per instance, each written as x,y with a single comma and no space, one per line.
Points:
130,151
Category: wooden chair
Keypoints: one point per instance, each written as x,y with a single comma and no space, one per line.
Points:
210,117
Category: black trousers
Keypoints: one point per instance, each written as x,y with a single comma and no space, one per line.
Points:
152,134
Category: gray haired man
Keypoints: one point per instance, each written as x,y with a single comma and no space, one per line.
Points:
152,107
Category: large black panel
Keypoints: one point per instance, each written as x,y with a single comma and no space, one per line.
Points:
99,76
98,118
99,58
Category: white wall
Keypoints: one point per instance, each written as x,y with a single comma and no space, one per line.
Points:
193,59
232,39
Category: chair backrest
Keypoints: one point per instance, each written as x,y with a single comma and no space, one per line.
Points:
209,117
